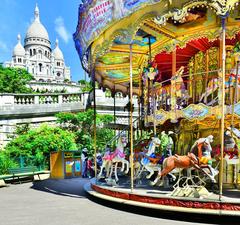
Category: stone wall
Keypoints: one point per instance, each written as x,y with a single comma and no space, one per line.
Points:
35,109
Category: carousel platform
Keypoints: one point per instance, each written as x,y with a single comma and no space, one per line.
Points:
159,199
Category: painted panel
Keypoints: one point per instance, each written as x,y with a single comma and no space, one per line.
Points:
77,166
121,74
199,111
97,16
68,166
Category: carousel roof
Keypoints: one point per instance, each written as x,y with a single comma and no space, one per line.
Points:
155,29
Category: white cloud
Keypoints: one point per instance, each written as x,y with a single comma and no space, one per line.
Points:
61,29
3,46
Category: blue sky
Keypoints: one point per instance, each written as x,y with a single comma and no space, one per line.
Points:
59,18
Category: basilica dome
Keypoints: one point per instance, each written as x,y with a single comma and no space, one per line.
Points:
57,52
37,33
18,49
37,30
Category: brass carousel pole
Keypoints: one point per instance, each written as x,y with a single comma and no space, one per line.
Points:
222,107
153,102
131,118
114,111
92,71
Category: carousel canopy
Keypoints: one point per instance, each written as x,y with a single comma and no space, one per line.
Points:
156,30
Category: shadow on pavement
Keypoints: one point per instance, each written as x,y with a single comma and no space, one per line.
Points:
174,216
65,187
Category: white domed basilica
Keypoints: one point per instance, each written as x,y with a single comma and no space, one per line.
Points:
37,56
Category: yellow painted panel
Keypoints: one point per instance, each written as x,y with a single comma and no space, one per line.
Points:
56,168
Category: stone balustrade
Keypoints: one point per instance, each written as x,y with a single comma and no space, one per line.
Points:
16,109
35,99
19,105
107,100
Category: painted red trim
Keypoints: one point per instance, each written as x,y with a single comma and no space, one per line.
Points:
168,201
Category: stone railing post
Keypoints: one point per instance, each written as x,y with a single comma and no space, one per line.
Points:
60,99
6,99
36,99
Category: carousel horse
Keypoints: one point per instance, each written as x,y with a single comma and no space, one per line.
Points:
106,164
190,161
211,88
149,159
177,83
231,145
118,156
112,159
139,151
231,149
177,89
203,149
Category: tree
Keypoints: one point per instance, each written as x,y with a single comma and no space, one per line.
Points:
6,162
14,80
82,125
86,86
36,144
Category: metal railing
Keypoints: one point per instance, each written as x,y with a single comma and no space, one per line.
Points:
115,138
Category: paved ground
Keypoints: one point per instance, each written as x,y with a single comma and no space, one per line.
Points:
60,202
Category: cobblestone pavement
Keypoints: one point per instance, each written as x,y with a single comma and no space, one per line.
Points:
60,202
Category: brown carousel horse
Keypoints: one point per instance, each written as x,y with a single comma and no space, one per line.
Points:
187,161
176,161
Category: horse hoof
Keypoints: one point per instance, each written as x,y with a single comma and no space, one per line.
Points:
149,176
214,181
152,183
126,172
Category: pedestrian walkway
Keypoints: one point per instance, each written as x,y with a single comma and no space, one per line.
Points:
60,202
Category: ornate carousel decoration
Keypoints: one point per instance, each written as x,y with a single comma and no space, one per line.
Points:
182,63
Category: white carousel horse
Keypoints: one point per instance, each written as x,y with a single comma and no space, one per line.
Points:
146,162
106,164
119,157
111,160
211,88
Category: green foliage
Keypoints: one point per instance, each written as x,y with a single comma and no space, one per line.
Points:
82,82
6,162
87,86
14,80
82,125
36,144
22,129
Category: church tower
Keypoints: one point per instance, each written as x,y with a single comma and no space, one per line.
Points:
37,56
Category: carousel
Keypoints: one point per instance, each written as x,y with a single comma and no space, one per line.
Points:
181,59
